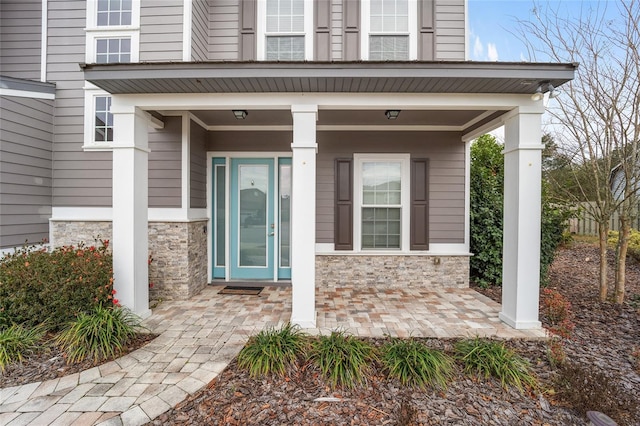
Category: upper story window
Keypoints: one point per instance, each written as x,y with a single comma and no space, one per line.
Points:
389,30
285,30
112,36
113,50
114,13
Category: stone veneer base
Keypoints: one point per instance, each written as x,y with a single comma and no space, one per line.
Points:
178,249
179,267
393,271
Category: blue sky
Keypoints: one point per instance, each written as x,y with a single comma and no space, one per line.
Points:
490,23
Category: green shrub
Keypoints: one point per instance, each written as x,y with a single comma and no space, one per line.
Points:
486,358
415,364
487,188
342,358
100,335
17,341
486,216
272,351
52,288
634,242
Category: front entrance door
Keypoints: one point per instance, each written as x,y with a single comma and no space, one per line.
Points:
251,204
252,219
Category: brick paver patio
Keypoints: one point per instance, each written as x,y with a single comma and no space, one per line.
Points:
199,337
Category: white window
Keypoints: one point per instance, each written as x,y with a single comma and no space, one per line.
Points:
112,36
285,30
389,29
381,212
103,119
114,12
113,50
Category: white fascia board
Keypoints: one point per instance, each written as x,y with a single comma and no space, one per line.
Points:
26,94
337,101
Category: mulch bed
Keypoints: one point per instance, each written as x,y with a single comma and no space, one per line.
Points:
604,338
50,363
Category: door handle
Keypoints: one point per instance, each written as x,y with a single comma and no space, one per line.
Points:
271,234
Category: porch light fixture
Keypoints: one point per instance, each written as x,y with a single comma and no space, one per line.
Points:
240,114
392,114
538,94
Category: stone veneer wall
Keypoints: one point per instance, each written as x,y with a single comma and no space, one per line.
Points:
179,251
389,271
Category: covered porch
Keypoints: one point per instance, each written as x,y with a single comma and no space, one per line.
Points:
452,313
461,100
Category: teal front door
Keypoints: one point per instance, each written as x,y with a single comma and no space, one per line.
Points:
252,219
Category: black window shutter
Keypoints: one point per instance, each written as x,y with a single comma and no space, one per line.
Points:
419,204
343,238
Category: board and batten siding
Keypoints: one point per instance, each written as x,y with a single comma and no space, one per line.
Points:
446,155
161,30
165,164
25,170
79,178
198,170
20,29
336,29
200,30
224,30
450,30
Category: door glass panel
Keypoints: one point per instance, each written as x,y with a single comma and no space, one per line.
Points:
285,209
220,214
253,198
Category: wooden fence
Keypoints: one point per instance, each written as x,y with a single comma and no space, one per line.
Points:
583,223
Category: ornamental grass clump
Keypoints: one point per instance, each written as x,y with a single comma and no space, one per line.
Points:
16,342
343,359
486,358
99,335
415,364
273,351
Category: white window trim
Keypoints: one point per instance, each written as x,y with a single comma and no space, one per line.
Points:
261,24
92,37
92,33
92,18
90,94
365,24
405,221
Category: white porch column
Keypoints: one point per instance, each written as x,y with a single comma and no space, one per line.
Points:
130,205
303,216
522,210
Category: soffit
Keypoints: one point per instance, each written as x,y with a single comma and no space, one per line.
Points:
444,118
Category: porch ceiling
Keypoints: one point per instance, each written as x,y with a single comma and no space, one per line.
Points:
442,118
325,77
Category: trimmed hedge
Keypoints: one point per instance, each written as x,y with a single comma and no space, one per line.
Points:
52,288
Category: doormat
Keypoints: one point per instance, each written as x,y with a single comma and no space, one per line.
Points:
250,291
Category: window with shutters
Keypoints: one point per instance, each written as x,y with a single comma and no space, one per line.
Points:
381,202
389,30
285,30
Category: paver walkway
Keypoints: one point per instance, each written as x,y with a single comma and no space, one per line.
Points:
200,336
